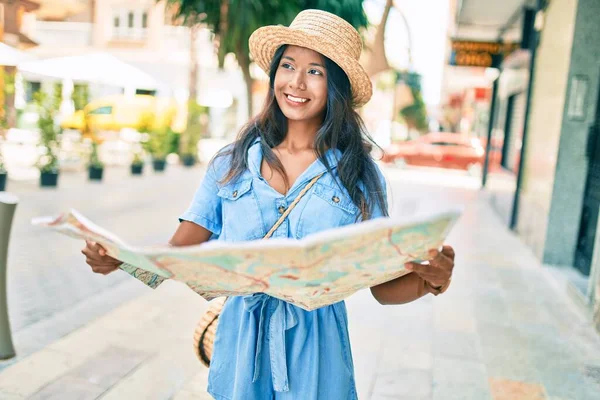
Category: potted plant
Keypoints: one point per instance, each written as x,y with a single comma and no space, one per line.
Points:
157,140
3,173
95,165
137,164
188,142
49,138
159,145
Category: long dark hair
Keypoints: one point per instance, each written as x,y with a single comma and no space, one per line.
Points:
342,129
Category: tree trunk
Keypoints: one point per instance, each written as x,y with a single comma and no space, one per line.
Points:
9,93
184,137
244,62
223,27
378,61
193,84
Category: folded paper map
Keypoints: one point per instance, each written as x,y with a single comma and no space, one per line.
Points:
319,270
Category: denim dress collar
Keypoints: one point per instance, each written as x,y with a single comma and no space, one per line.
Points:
255,156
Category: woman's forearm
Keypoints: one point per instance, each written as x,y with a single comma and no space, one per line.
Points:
401,290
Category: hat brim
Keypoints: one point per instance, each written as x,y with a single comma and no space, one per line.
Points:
266,40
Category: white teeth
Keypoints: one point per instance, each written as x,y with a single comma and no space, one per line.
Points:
297,99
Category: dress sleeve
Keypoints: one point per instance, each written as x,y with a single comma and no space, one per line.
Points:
205,208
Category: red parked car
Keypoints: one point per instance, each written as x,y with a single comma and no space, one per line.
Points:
438,149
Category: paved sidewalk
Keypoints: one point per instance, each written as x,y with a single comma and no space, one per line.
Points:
504,330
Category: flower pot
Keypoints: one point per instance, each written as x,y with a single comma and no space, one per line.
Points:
95,173
2,181
49,179
159,165
188,160
137,169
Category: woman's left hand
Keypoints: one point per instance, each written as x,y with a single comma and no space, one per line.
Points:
440,267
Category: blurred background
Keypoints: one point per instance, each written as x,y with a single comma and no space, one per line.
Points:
115,107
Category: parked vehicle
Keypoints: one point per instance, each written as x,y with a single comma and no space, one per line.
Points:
113,113
438,149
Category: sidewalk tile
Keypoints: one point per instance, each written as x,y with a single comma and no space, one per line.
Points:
69,388
183,395
108,367
198,383
9,396
401,383
37,370
568,381
160,377
455,378
394,358
457,345
93,377
504,389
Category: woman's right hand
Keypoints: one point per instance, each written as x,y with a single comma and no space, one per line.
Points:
95,256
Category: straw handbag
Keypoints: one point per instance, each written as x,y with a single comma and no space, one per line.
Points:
206,331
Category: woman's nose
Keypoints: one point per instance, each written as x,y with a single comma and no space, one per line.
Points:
297,82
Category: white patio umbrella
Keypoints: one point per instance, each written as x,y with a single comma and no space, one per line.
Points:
99,68
9,56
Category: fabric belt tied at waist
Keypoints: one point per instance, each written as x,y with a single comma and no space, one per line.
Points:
277,316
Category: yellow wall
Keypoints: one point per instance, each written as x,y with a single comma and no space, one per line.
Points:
545,120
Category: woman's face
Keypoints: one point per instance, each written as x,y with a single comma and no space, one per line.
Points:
301,84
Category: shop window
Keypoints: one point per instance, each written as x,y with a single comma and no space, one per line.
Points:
31,88
513,132
129,24
106,110
130,20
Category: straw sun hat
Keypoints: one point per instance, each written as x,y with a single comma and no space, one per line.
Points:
324,33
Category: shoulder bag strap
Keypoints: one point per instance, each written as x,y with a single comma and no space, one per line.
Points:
291,207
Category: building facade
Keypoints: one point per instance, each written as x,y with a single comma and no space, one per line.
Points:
142,33
548,115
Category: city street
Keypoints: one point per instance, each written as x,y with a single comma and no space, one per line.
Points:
51,290
504,330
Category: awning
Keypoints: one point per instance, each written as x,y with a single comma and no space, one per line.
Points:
99,68
487,20
10,56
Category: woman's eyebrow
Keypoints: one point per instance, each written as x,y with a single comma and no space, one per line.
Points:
315,64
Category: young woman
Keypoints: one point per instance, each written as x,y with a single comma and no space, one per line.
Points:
266,348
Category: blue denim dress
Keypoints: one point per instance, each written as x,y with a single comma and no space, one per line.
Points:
266,348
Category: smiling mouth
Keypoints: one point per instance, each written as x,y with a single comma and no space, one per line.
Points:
294,99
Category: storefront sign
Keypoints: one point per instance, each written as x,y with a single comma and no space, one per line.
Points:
577,96
480,54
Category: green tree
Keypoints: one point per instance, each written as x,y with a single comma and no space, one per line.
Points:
80,96
233,21
415,114
49,130
194,130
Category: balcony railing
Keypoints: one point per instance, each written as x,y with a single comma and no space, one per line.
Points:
79,34
61,34
127,33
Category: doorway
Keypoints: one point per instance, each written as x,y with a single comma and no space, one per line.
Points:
591,200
